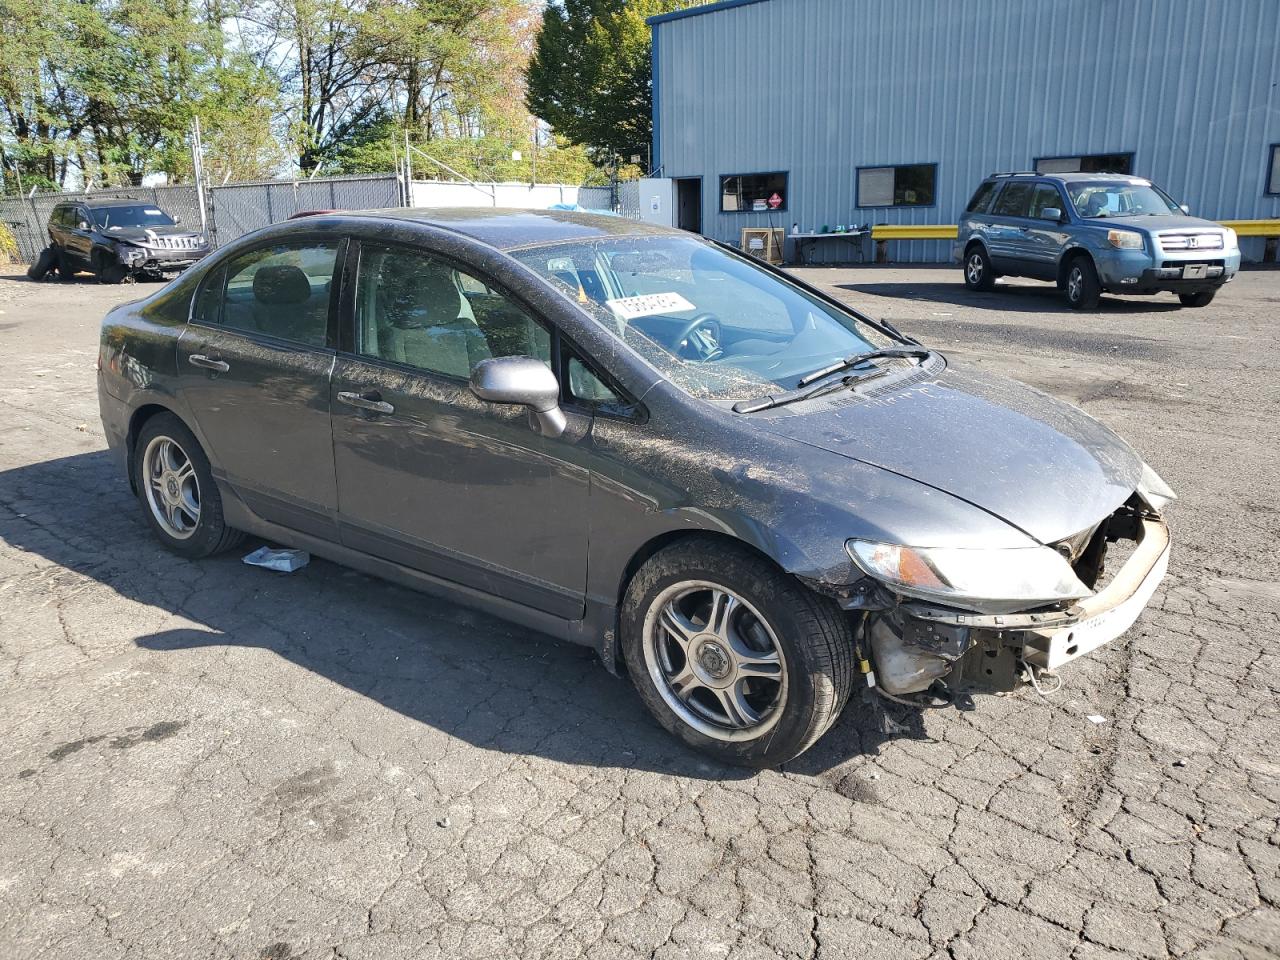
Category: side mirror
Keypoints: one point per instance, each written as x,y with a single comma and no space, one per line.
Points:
524,381
82,225
1051,213
1185,209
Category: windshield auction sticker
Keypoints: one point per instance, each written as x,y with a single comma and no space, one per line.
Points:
646,305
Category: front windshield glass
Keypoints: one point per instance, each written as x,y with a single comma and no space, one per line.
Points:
714,323
136,215
1121,198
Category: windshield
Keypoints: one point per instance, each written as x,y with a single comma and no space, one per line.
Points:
1122,198
714,323
136,215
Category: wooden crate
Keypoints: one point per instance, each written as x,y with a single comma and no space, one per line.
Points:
763,242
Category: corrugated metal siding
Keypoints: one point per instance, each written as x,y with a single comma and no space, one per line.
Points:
820,87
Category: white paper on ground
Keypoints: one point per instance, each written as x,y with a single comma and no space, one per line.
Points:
285,561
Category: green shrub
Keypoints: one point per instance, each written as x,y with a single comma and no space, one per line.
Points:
8,245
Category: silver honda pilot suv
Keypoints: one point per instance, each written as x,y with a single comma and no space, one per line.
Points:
1090,233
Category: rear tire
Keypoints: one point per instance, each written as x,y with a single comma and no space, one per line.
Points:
979,275
1201,299
1083,289
176,488
733,656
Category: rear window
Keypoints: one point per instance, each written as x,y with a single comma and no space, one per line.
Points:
981,198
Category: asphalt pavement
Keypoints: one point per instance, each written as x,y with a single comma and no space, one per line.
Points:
204,759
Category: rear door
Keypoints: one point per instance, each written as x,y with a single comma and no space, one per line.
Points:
428,475
1006,236
254,366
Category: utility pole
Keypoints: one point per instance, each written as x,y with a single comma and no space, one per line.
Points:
197,168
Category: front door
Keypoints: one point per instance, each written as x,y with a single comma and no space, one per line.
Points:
1045,239
428,475
689,204
79,239
254,367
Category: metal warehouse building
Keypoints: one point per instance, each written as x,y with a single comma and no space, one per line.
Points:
848,112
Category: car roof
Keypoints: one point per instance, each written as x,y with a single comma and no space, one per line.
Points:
97,203
1065,177
507,229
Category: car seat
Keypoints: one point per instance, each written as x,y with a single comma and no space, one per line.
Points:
283,306
429,326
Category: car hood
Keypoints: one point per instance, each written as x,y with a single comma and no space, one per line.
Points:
145,235
1156,224
1042,465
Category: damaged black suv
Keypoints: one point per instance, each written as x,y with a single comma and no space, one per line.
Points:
117,238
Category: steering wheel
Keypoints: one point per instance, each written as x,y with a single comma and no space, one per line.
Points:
706,347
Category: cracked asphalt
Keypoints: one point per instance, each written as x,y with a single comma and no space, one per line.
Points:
210,760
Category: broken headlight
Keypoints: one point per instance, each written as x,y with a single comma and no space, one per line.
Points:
1153,490
128,254
1010,579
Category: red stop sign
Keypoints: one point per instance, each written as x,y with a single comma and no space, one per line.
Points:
775,202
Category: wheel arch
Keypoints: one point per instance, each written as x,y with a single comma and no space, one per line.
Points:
137,420
1069,255
611,652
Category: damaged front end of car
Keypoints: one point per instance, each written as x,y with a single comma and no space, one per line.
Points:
934,624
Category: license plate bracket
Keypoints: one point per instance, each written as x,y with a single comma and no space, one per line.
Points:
1195,271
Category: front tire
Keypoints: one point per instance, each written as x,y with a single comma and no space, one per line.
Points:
179,498
731,655
979,275
108,272
1201,299
1083,289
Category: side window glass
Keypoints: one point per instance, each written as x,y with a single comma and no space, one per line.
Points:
1014,200
1045,196
282,291
414,309
208,303
591,391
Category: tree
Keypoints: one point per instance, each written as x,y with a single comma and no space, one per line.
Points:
590,74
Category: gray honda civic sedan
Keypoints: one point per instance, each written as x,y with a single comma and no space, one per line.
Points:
745,495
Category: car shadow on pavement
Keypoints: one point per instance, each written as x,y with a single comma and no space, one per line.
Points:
482,680
1019,299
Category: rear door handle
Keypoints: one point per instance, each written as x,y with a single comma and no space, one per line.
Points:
209,363
371,400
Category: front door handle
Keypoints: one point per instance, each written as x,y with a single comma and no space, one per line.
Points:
371,400
209,363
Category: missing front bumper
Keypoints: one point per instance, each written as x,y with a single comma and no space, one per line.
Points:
915,645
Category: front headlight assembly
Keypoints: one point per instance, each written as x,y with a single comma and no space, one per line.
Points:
1124,239
987,580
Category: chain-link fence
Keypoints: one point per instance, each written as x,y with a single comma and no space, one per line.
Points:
595,198
27,216
238,208
232,210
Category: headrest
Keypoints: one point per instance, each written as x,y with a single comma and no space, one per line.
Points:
280,284
425,296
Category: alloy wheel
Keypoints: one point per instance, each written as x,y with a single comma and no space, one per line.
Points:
171,487
715,661
1075,284
973,269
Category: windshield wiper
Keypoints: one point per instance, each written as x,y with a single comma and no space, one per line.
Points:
890,353
791,396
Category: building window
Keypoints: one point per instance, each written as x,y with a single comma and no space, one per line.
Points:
1273,171
1087,163
908,185
744,192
